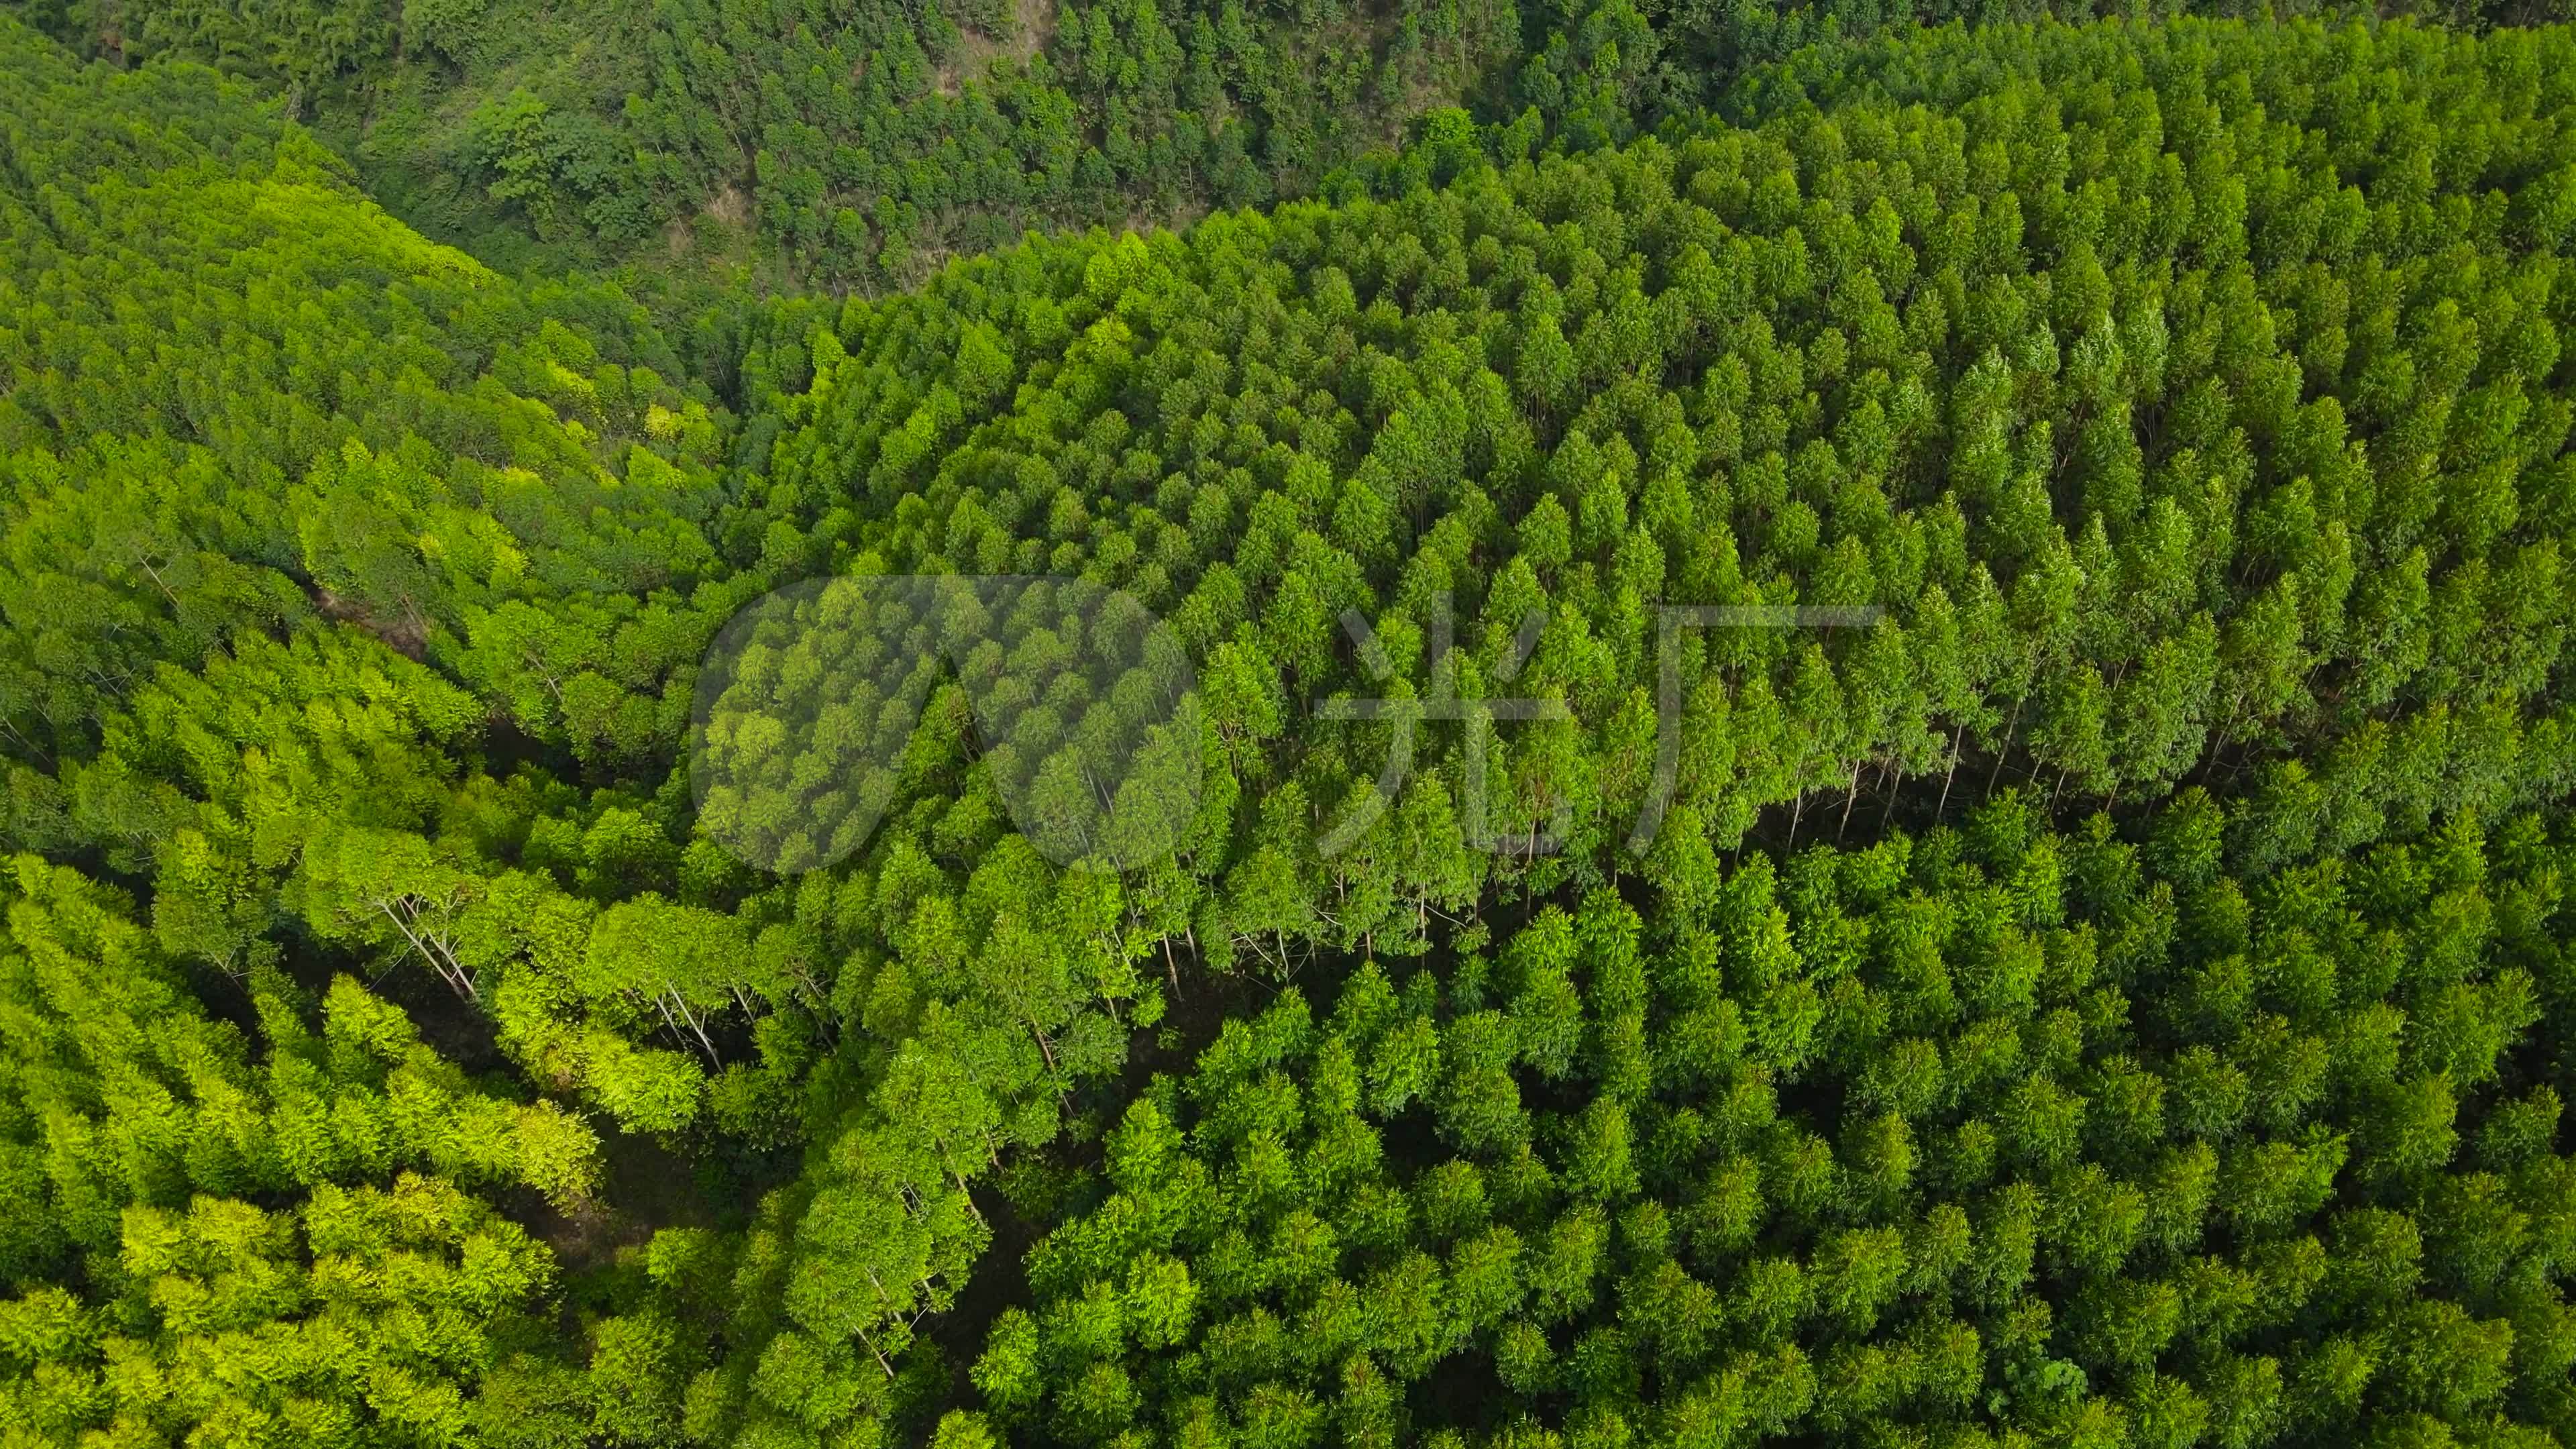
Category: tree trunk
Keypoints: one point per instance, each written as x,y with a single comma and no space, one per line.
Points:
682,1002
959,1178
2002,754
455,975
1950,774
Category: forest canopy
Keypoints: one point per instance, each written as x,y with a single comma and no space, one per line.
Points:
1870,743
859,145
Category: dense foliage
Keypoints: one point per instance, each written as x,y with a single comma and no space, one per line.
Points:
857,146
2111,988
1989,1129
2096,357
2168,443
212,1248
860,144
240,395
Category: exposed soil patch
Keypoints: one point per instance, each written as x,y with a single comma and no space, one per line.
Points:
728,205
1032,26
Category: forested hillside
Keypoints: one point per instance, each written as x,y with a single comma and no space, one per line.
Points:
841,146
1891,769
857,146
